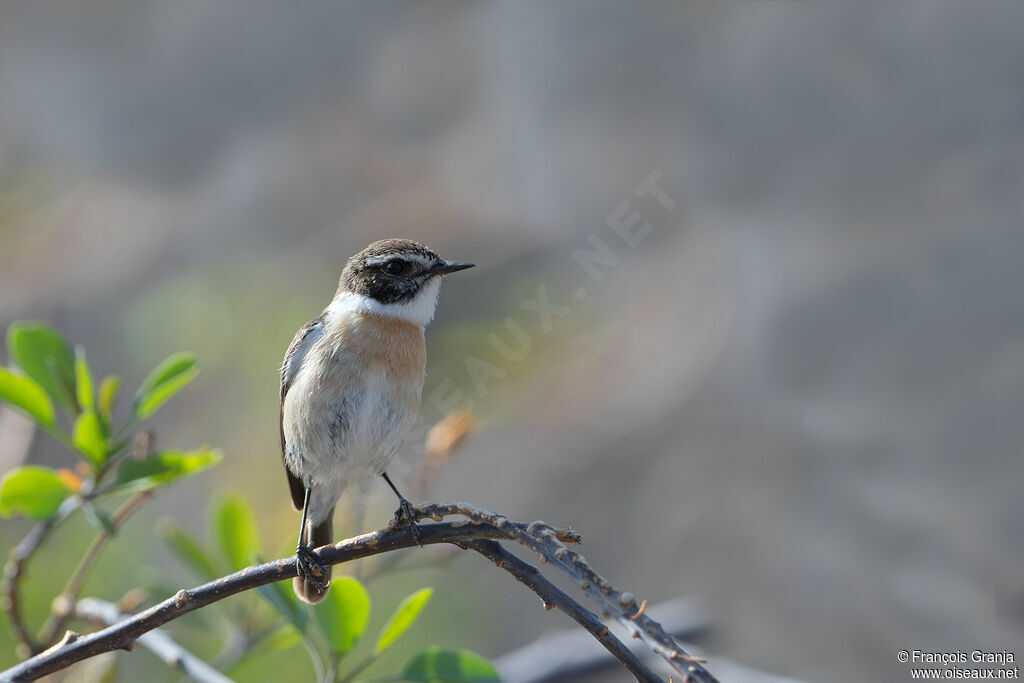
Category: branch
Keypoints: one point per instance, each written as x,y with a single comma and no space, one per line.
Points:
549,546
481,526
552,596
63,603
570,654
156,641
13,571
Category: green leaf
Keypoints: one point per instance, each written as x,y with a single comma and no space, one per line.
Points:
343,615
163,468
403,618
33,491
165,381
188,550
98,518
89,436
24,393
437,665
108,396
83,380
45,356
235,529
283,600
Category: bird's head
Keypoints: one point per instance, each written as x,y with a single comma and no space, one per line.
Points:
396,277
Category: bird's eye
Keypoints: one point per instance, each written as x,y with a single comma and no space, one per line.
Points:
394,267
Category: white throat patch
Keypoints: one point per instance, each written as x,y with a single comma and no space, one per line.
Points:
419,310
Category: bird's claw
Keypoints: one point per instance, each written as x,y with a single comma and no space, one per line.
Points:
309,568
405,515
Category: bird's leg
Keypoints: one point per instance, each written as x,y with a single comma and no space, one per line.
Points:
404,513
307,566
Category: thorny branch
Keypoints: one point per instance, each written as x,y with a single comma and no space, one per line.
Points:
477,533
570,653
554,597
623,607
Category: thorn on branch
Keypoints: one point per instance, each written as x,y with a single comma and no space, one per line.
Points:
639,612
569,535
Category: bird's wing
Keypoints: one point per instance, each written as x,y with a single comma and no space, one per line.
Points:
293,358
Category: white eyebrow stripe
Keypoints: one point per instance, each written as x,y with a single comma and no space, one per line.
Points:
381,260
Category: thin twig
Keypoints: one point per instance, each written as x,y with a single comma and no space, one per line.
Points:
13,572
480,525
360,667
156,641
571,654
549,544
552,596
63,604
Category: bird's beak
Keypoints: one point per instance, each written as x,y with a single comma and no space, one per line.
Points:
450,267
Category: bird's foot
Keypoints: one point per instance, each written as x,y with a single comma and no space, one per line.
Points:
405,515
309,568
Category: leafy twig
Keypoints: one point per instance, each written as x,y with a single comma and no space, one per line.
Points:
481,525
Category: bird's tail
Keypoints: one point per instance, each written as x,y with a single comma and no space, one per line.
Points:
316,536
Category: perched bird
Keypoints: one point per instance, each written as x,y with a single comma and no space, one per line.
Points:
350,388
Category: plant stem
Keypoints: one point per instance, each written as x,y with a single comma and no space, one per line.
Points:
351,676
64,602
14,570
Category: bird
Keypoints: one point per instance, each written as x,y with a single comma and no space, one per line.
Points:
351,384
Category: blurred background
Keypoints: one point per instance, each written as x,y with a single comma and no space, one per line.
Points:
793,395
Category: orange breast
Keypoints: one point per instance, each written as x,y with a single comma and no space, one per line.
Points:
394,344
